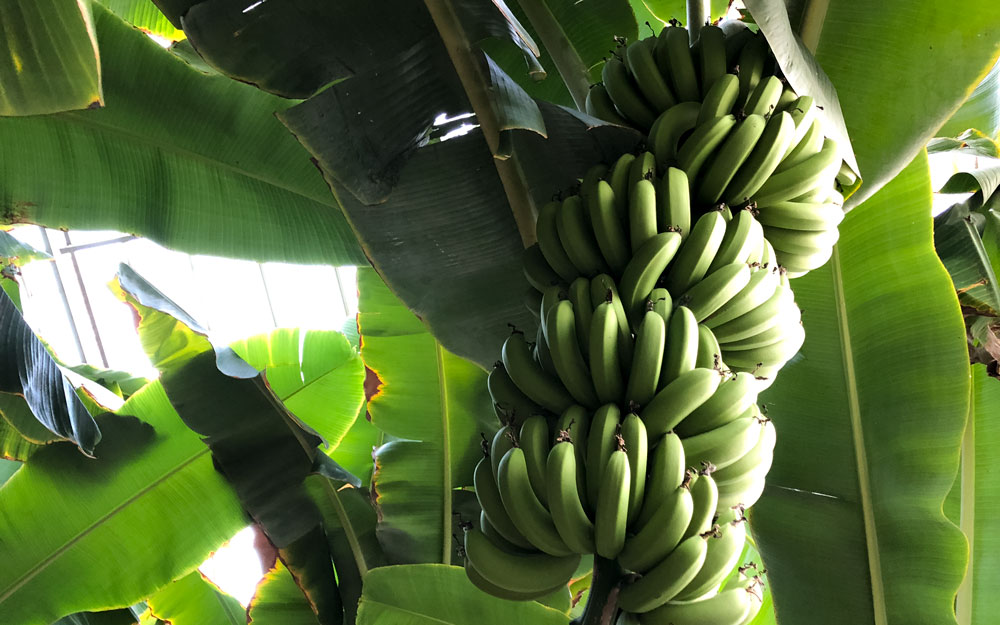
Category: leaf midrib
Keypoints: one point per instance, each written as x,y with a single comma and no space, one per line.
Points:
41,566
860,454
445,455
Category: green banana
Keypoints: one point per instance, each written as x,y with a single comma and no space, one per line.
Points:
528,573
673,205
804,112
642,213
681,354
667,471
642,168
642,272
788,96
618,178
737,36
729,607
738,243
542,388
673,56
744,491
575,422
650,340
723,554
637,450
577,237
704,497
801,242
601,441
537,271
566,355
534,440
550,245
528,514
733,152
660,302
541,353
678,399
611,515
550,297
661,583
775,353
763,160
591,178
568,513
702,144
532,301
724,445
790,315
490,588
808,145
502,442
796,180
711,56
579,296
720,98
496,537
510,402
758,244
717,288
709,352
626,95
660,533
801,215
764,98
605,367
757,459
752,65
763,317
488,494
670,127
732,399
639,56
758,290
798,264
608,230
600,105
604,289
697,253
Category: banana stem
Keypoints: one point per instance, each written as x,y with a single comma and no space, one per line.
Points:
564,56
698,14
602,602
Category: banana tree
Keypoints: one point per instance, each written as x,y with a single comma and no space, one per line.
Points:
311,132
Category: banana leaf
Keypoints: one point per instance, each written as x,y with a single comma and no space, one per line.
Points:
144,14
152,477
279,601
869,418
193,600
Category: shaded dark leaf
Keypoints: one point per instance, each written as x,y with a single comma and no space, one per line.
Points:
111,617
960,247
279,601
27,370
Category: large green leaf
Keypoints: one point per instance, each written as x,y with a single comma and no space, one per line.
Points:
29,375
900,70
77,532
980,503
960,247
48,58
7,469
435,593
316,374
279,601
870,418
14,252
981,111
434,400
195,162
193,600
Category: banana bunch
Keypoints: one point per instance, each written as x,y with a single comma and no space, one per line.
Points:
717,111
600,482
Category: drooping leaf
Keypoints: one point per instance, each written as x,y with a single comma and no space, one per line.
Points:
278,601
869,419
979,502
183,158
14,252
193,600
316,374
981,111
28,372
960,247
984,180
153,478
48,58
435,593
971,142
447,244
434,400
889,125
122,383
110,617
20,432
144,14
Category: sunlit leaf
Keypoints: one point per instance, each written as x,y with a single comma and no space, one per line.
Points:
193,600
